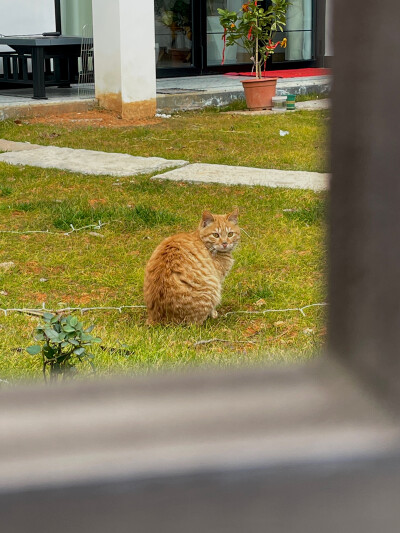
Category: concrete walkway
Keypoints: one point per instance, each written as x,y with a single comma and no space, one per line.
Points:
173,94
83,161
119,165
229,175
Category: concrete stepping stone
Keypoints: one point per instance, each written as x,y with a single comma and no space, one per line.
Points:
13,146
230,175
88,161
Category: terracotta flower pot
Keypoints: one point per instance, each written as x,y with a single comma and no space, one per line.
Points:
259,92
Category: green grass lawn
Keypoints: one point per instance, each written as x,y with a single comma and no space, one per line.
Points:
279,264
210,136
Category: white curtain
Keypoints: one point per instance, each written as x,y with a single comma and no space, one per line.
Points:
299,27
74,15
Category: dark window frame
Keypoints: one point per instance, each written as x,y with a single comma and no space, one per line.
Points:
57,13
200,66
332,424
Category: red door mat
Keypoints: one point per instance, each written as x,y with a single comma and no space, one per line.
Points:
289,73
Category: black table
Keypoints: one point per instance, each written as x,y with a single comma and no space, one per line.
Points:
54,61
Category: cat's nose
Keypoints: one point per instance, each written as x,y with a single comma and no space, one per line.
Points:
224,244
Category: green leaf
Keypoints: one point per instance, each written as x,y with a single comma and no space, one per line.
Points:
34,350
49,352
79,351
74,342
69,329
51,334
87,338
89,329
74,321
48,316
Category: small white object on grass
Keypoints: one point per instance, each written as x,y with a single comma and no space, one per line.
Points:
282,133
8,265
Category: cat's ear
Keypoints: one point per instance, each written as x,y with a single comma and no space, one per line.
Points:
234,216
206,219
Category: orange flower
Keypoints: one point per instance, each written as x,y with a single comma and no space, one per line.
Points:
245,7
284,43
233,26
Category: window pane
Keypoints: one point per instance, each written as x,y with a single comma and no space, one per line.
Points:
215,44
75,15
173,27
299,34
299,15
299,30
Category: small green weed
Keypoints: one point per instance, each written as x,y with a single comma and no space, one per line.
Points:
65,214
260,292
236,105
65,343
152,217
311,96
311,215
5,191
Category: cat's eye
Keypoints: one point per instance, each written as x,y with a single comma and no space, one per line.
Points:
230,234
216,235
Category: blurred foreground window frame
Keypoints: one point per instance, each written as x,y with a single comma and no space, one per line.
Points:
299,449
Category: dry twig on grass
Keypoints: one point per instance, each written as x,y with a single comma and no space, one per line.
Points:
208,341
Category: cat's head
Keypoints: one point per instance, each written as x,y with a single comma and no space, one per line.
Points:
220,233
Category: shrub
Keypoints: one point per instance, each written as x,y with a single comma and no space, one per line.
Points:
65,343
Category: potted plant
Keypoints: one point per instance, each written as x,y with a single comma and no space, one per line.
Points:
254,28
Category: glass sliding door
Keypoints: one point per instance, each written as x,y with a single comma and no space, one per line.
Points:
215,45
174,33
299,31
189,37
299,26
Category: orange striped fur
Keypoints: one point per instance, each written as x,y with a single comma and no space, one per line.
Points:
184,275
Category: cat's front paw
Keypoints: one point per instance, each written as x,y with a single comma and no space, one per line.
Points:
214,313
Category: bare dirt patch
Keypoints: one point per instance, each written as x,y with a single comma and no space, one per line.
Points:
99,118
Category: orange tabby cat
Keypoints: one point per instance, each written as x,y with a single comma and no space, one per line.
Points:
184,276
